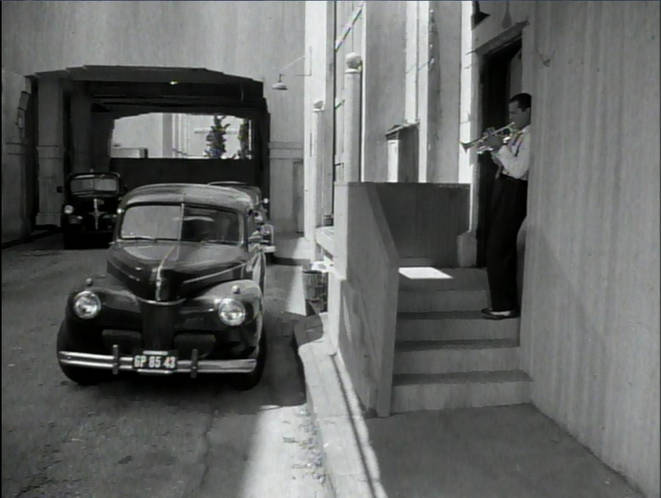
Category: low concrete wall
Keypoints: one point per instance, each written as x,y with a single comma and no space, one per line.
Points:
425,220
363,293
378,228
136,172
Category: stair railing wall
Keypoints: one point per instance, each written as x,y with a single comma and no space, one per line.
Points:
366,263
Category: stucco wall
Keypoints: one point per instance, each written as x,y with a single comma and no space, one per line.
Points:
14,208
318,83
590,324
250,39
383,83
444,92
364,314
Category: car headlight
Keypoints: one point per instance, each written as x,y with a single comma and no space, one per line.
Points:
231,311
86,305
68,209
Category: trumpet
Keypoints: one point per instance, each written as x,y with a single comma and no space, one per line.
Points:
505,132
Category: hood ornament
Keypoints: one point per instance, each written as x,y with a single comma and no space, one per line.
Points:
161,283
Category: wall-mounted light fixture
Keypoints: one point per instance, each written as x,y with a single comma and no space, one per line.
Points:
281,85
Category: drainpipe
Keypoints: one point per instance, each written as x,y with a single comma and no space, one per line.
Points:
351,142
314,172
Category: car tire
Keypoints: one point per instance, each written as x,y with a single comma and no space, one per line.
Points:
66,341
243,382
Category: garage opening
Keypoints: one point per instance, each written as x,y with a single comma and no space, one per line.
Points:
194,136
150,125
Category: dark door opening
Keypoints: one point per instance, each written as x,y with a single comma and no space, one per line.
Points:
500,79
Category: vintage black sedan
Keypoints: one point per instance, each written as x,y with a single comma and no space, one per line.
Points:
183,291
90,206
260,207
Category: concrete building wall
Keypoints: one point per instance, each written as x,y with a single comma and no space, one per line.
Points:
144,130
318,125
590,324
250,39
14,178
442,133
411,57
384,97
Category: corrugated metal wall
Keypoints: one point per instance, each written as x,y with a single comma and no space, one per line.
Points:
590,328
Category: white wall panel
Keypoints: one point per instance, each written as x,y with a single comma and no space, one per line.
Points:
590,326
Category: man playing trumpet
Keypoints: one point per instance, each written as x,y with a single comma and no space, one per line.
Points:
508,207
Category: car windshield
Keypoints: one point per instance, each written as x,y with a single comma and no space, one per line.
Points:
171,222
83,184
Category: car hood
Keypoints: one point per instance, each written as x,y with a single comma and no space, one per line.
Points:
166,271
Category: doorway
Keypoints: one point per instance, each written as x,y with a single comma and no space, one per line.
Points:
500,79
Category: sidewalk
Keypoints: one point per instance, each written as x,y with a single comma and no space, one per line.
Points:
510,451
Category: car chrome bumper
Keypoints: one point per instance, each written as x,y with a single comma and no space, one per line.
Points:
125,363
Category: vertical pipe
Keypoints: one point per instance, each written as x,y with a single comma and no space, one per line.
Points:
312,211
352,105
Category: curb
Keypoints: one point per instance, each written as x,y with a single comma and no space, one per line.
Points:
29,238
349,460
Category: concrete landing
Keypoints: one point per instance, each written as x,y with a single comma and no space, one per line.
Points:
509,452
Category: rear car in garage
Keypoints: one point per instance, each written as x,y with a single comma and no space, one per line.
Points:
90,206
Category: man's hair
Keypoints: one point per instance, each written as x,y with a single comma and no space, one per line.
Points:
523,100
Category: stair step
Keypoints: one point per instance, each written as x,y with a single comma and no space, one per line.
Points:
420,301
437,357
451,325
432,278
459,390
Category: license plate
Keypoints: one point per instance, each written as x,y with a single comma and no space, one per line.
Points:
155,360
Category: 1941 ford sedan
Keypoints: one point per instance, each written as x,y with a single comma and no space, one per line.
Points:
183,291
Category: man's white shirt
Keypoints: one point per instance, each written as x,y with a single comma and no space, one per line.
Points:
515,155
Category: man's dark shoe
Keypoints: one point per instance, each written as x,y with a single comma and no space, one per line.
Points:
499,315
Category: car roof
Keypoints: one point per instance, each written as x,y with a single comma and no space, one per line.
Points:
189,193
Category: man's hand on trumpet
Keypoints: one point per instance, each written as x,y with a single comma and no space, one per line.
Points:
493,140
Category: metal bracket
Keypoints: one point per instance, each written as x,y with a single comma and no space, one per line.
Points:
193,363
115,359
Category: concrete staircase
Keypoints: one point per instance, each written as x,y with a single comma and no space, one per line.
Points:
446,354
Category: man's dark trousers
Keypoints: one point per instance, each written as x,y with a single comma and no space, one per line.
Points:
508,210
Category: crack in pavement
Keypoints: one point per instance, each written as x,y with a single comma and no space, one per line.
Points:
206,453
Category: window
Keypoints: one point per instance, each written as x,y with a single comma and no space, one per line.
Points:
83,184
187,223
190,136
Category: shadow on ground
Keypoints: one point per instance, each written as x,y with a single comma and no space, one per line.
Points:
510,451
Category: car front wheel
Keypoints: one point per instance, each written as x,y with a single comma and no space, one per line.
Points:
247,381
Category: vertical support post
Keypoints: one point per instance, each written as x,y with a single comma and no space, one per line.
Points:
312,209
167,135
50,150
352,112
102,128
81,125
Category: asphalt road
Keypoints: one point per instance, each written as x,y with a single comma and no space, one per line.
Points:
145,436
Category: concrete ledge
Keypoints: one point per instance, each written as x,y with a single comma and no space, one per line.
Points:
325,237
349,460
